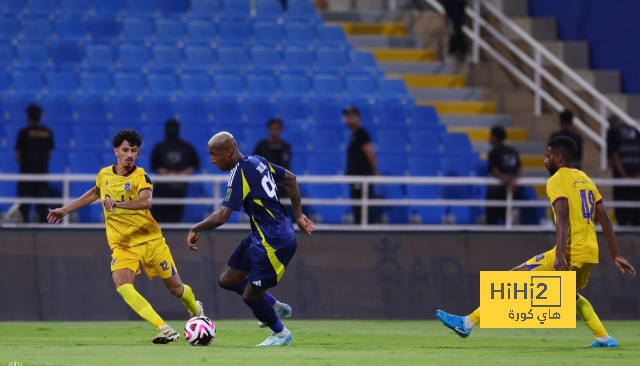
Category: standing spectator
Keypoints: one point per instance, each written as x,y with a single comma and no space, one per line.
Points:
33,152
567,129
361,159
504,164
455,12
273,148
623,147
172,157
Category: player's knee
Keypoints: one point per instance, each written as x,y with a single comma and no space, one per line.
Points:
177,290
222,283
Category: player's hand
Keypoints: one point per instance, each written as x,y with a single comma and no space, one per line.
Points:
513,185
55,216
623,265
305,224
109,204
560,264
192,239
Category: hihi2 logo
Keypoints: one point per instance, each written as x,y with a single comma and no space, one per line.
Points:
527,299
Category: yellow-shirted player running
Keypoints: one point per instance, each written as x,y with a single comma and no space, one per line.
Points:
133,235
576,204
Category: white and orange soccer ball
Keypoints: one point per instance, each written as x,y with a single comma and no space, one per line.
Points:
200,331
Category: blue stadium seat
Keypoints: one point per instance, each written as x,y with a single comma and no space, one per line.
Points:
12,7
76,7
267,59
126,110
294,109
234,32
458,166
167,57
361,86
324,164
393,88
7,56
11,131
85,163
262,85
364,61
57,163
42,7
426,214
129,83
268,33
195,213
332,35
392,165
393,113
9,28
103,29
197,135
227,111
27,82
425,141
238,9
170,30
300,34
328,86
62,83
229,85
14,108
8,164
62,136
259,110
327,214
134,55
424,116
391,141
299,140
302,10
172,7
99,56
332,59
96,83
269,9
206,7
235,130
108,7
58,109
457,143
5,85
32,55
194,111
108,158
424,165
196,84
162,84
232,58
298,164
67,54
200,57
158,110
299,59
295,85
92,110
201,30
141,7
89,137
71,28
326,113
252,136
37,29
326,141
137,29
151,136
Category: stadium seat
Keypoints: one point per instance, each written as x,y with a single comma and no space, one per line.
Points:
332,35
151,136
37,29
268,33
103,29
32,55
236,9
172,7
294,109
62,136
327,86
11,131
76,7
326,113
364,61
90,137
193,111
7,56
96,83
393,113
85,163
137,29
71,28
196,84
108,7
126,110
62,83
196,134
295,85
262,85
302,10
267,59
58,108
424,165
99,56
259,110
252,136
232,58
12,7
67,54
42,7
331,59
424,116
91,110
298,164
206,7
5,85
235,32
392,165
325,164
170,29
27,82
9,28
299,59
8,164
391,141
162,84
129,83
326,141
361,86
14,108
227,111
269,9
200,58
327,214
141,7
425,141
201,30
425,214
134,56
393,88
167,57
57,163
299,140
457,143
300,34
229,85
158,110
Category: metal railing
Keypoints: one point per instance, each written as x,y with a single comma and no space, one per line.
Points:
540,53
365,202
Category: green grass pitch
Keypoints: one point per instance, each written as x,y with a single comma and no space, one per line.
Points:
369,343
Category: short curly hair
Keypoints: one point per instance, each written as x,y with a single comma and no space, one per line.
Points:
131,136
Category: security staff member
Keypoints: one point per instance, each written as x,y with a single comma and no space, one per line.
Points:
504,164
623,147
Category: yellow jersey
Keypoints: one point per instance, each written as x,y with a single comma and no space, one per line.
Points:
127,228
576,187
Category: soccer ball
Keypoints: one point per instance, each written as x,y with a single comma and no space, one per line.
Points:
200,331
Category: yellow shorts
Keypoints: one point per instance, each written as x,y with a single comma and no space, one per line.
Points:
544,262
154,256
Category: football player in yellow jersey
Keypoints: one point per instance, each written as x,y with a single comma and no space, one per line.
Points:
133,235
576,204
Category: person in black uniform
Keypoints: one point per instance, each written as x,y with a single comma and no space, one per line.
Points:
504,164
33,152
361,160
172,157
274,149
567,129
623,147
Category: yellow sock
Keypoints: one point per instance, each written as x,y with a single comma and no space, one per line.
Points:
140,305
589,317
189,300
475,316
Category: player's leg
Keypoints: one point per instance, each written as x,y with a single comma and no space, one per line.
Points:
41,191
24,190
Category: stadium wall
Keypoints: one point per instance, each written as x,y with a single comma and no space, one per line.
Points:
64,275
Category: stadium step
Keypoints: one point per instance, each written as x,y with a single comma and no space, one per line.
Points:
482,134
431,81
431,68
482,107
403,55
527,161
523,147
446,94
479,120
381,29
367,41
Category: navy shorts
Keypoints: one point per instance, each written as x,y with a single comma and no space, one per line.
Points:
265,266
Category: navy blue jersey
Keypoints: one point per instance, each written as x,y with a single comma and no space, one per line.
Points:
252,185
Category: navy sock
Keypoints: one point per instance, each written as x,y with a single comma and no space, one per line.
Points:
239,289
264,312
272,300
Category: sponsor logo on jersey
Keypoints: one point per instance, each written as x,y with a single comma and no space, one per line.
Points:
539,257
227,196
127,186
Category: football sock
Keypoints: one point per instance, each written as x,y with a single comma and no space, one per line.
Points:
140,305
473,318
604,339
468,323
189,300
239,289
264,312
590,318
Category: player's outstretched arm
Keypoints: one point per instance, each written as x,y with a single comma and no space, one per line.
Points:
290,184
561,208
610,236
143,202
218,218
55,216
